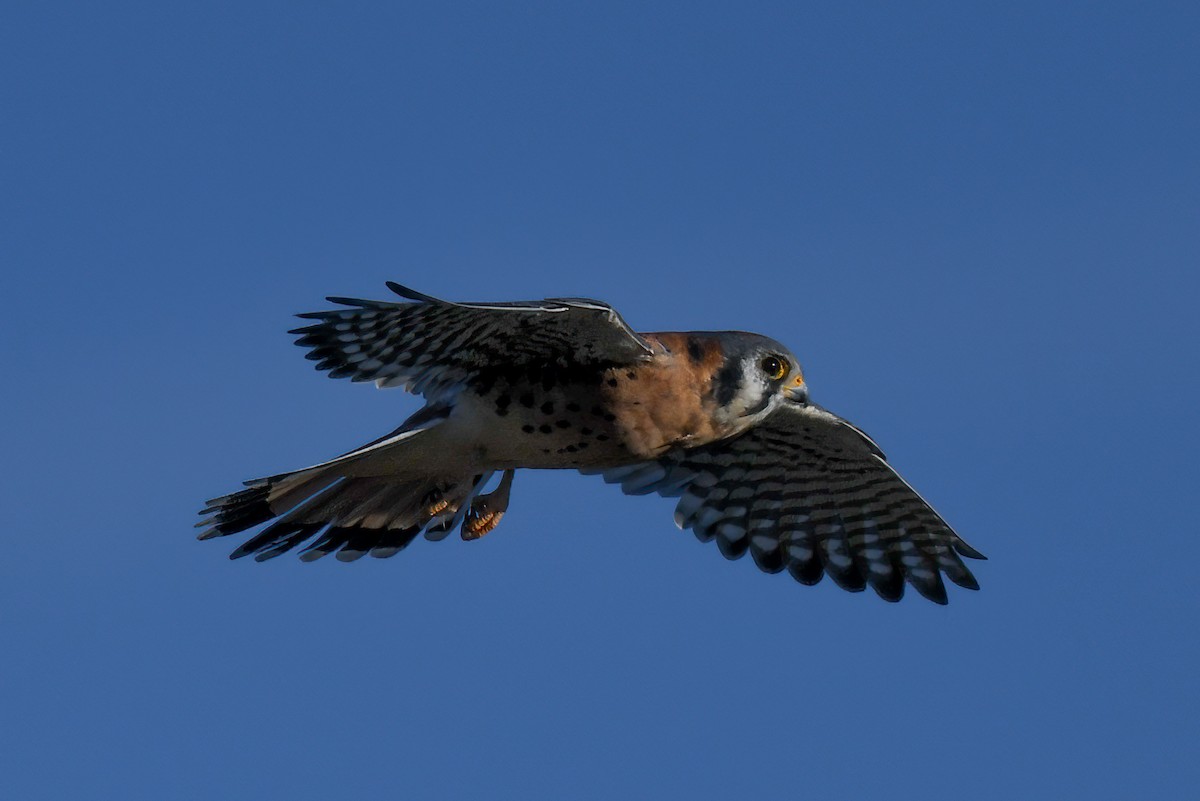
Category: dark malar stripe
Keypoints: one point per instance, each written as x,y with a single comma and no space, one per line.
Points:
728,381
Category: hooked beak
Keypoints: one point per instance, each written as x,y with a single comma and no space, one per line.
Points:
798,392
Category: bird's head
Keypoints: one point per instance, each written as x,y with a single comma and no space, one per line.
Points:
757,375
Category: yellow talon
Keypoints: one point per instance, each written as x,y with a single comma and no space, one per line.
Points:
438,507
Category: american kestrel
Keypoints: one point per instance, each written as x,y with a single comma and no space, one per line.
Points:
721,420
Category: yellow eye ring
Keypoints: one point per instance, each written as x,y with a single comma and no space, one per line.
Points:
775,367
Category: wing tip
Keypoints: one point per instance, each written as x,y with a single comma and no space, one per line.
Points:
935,592
967,582
410,294
963,549
361,303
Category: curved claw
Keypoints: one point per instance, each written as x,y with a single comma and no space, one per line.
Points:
486,510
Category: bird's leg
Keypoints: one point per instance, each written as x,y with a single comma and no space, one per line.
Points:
486,510
440,513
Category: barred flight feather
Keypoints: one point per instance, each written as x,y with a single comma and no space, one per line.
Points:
806,491
434,346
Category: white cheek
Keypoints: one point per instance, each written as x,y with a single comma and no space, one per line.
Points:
750,397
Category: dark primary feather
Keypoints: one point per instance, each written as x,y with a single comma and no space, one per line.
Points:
430,345
807,492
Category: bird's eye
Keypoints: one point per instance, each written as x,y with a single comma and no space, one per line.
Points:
774,367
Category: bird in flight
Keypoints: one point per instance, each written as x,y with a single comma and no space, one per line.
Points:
720,420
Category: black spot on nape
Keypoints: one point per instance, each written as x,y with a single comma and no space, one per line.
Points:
631,375
526,400
587,432
602,437
570,449
528,429
597,411
572,406
582,445
609,417
547,408
563,423
727,381
694,350
544,428
612,382
502,404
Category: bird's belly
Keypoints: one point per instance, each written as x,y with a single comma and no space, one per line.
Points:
564,427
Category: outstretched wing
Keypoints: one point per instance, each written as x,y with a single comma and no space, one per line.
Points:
806,491
429,345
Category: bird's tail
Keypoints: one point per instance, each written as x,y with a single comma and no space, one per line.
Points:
354,514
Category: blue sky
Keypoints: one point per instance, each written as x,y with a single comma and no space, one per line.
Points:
976,226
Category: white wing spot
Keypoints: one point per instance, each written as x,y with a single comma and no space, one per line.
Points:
800,553
840,560
731,531
763,542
